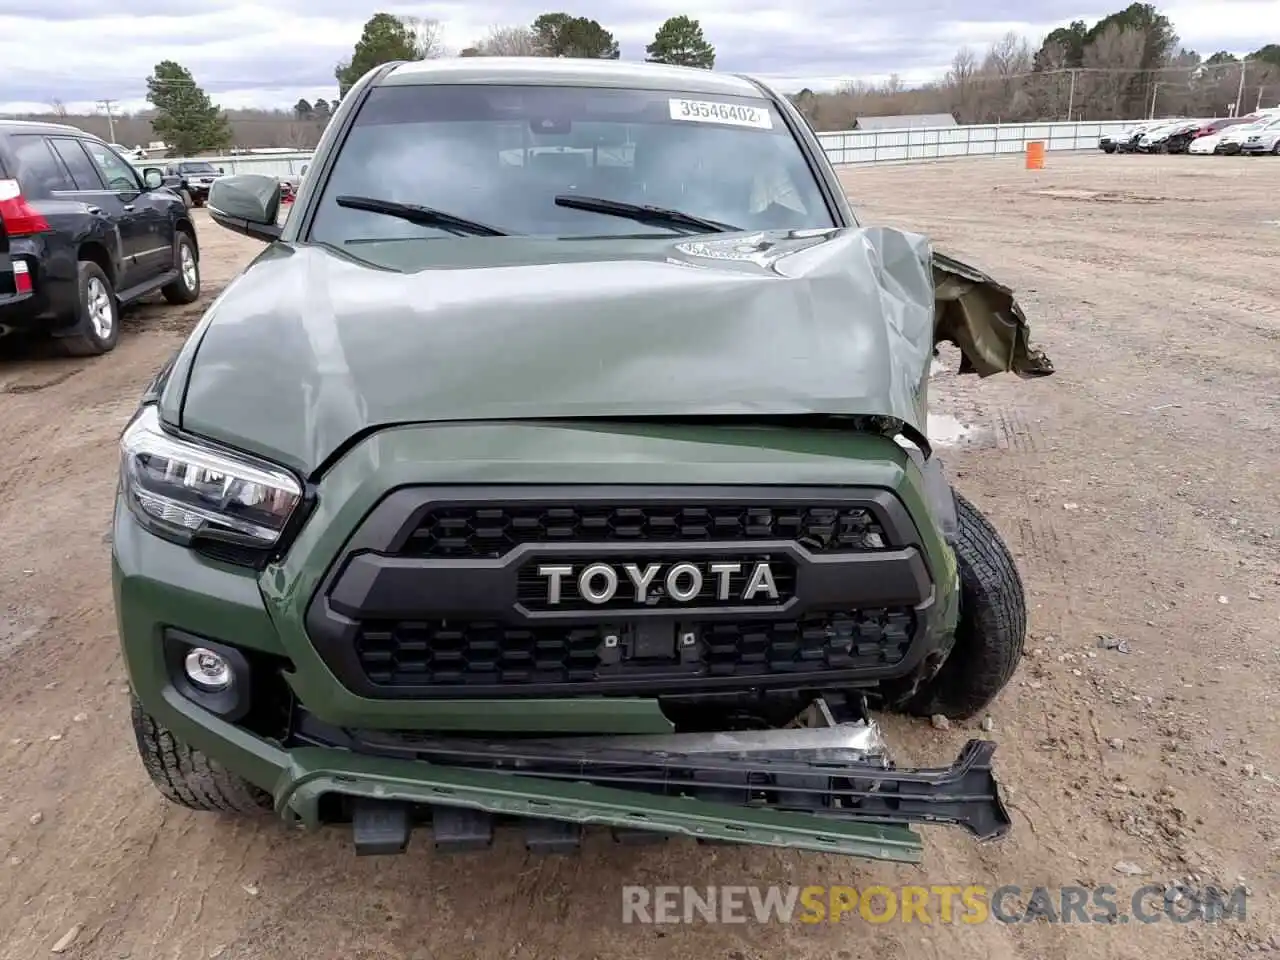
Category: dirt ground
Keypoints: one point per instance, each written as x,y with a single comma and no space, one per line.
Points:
1138,742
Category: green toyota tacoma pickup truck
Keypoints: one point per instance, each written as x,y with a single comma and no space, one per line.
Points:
562,461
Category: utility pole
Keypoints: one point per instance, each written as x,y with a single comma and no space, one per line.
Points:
111,123
1240,91
1071,95
1155,88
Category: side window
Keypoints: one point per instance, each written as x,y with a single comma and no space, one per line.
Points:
39,171
83,172
116,172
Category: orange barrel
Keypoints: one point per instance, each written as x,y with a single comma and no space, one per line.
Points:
1035,155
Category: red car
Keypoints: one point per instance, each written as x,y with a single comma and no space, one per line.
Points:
1179,142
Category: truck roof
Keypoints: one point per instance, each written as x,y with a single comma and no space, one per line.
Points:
564,71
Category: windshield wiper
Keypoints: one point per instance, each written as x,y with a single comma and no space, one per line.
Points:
422,216
642,213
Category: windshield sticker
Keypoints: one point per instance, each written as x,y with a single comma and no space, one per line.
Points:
708,111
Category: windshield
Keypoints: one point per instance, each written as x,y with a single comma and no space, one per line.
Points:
500,155
1254,126
198,168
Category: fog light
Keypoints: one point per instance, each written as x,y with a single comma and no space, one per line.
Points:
208,670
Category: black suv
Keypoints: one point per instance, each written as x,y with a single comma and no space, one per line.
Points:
196,177
82,233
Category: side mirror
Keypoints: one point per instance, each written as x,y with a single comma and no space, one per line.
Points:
247,203
220,170
153,177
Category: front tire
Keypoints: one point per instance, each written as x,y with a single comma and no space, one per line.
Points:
185,288
97,327
187,777
992,629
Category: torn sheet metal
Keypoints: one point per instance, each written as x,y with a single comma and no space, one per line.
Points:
840,322
981,317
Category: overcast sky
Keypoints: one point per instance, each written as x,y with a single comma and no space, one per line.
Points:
247,54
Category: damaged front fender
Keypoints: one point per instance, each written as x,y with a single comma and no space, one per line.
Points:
981,317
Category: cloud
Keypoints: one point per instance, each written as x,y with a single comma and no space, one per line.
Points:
255,54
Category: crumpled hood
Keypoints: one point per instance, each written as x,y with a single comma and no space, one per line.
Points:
308,347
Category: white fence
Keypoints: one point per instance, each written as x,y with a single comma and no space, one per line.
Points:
976,140
851,146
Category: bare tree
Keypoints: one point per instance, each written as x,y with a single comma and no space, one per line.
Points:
508,42
1007,60
59,108
964,67
1010,56
428,37
1115,58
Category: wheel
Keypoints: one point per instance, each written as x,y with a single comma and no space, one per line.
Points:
186,287
98,324
187,777
1275,151
992,628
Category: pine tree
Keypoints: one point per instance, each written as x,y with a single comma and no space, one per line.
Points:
680,41
185,118
385,39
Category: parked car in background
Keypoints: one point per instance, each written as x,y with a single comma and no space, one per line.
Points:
82,233
1230,140
1207,143
1265,140
290,184
1127,142
1179,142
1157,139
196,178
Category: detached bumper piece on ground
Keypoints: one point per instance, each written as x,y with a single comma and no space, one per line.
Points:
830,789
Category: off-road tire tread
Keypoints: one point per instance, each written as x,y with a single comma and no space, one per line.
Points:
993,623
187,777
176,291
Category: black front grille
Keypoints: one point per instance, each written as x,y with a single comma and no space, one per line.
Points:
515,659
438,593
492,530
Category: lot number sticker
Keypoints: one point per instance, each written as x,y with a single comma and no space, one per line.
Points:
708,111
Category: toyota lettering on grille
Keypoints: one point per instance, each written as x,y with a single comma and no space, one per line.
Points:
599,582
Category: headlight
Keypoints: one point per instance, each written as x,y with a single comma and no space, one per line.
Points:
182,490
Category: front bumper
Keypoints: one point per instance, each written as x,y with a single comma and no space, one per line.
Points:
1255,148
277,618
